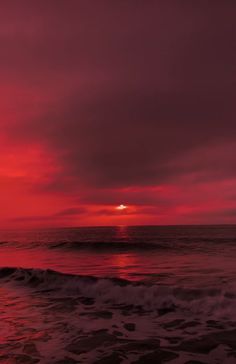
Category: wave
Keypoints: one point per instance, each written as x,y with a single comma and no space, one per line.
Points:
115,291
123,245
114,245
95,245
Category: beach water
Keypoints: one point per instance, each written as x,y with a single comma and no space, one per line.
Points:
143,294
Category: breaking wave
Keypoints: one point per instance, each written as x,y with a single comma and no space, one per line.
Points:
116,291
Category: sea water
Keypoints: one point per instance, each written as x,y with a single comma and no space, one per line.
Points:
118,294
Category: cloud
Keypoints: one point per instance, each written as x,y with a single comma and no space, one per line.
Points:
120,99
66,213
71,211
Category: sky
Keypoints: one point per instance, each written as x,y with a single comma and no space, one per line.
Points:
105,103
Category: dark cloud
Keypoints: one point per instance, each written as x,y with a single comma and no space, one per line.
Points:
71,211
66,213
126,94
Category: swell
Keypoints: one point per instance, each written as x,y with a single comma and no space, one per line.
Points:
132,244
109,246
114,291
95,245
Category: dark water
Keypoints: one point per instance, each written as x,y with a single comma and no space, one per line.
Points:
133,253
174,284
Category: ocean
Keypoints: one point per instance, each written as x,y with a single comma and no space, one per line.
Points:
123,294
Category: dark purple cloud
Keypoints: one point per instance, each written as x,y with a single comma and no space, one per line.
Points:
122,95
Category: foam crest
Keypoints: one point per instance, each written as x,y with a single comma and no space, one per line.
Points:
113,291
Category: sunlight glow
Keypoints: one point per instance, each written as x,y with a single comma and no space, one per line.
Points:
121,207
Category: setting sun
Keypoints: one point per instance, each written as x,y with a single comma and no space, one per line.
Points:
121,207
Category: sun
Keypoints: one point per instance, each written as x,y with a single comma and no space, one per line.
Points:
121,207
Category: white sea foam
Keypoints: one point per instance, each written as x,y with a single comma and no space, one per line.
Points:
208,302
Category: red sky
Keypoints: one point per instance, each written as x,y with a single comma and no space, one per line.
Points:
104,103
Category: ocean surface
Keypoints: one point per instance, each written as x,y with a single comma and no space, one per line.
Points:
144,294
